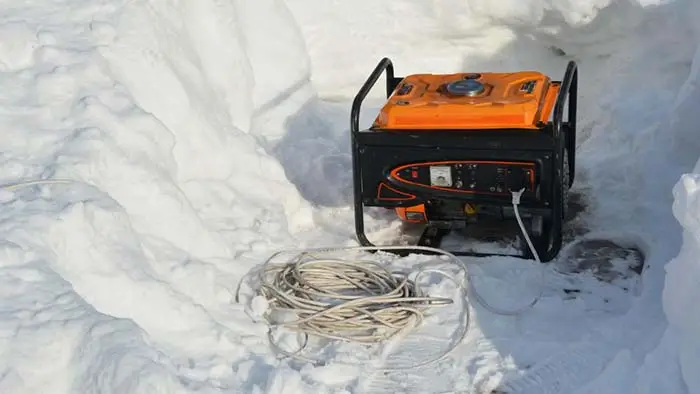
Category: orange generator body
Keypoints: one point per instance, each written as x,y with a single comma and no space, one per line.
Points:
449,150
483,101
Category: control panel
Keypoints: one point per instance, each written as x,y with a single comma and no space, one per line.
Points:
476,177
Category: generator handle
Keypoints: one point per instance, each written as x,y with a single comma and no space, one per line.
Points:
568,90
384,65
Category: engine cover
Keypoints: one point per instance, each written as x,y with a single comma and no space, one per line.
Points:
469,101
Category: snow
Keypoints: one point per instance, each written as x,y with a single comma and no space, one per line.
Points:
199,137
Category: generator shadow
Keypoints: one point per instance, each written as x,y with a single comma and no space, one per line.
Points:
315,154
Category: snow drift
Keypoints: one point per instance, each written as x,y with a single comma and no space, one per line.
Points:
149,108
191,130
683,272
683,281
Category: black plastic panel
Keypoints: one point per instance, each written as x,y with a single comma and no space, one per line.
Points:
495,178
378,162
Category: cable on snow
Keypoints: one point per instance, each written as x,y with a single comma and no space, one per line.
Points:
356,300
361,301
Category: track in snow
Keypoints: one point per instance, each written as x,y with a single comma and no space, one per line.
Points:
562,373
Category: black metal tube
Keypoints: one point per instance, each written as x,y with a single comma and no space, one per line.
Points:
384,65
569,86
571,129
568,91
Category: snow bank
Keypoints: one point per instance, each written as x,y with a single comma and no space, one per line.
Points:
679,350
196,76
683,281
122,281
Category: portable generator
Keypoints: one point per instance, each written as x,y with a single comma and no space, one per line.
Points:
449,151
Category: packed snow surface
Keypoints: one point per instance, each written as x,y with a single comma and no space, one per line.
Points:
196,138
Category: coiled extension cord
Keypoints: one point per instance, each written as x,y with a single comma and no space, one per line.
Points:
355,300
361,301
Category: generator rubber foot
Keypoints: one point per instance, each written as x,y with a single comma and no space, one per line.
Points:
432,236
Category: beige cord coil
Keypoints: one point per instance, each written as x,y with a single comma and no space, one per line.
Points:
351,299
359,301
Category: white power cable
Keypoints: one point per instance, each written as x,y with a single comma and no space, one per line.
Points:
351,300
540,287
355,300
22,184
358,301
516,202
317,290
339,299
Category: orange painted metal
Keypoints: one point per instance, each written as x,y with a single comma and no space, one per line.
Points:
522,100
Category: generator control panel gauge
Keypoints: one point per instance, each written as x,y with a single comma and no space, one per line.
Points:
469,176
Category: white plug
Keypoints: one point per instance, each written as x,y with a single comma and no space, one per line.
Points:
517,195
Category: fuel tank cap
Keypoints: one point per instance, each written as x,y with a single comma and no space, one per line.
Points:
465,87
